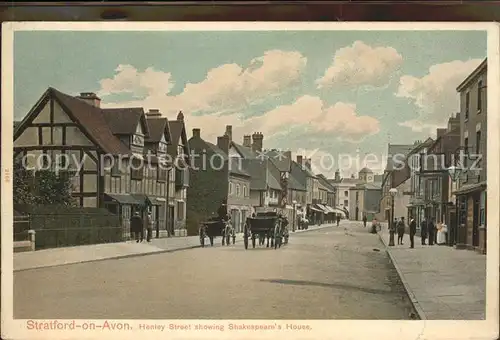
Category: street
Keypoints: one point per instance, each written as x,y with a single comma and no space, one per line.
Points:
331,273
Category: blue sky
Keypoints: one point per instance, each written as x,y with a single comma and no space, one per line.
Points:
314,92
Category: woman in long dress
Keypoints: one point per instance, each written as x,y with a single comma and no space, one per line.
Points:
441,233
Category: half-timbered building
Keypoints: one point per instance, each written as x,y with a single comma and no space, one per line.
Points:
117,156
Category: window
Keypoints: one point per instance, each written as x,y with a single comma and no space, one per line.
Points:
162,174
245,193
180,211
479,95
115,169
162,147
180,149
346,203
230,188
478,148
137,169
346,193
237,190
138,140
467,104
466,151
482,209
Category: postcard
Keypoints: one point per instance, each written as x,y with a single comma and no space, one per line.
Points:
250,180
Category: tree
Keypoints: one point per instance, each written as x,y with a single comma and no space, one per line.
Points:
43,187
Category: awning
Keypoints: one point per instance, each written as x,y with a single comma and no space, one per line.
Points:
122,199
339,211
469,188
322,208
315,209
143,200
157,200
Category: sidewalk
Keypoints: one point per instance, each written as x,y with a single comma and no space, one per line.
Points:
98,252
443,283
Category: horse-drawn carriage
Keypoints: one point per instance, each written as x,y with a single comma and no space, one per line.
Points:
215,227
268,225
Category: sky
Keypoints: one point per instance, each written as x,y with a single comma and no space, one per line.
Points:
322,94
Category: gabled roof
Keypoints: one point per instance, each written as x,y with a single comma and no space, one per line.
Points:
324,181
298,178
350,180
124,121
157,127
177,131
281,159
91,121
235,166
244,151
262,174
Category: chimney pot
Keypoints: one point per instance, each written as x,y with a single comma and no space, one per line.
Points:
196,133
299,159
229,132
90,98
153,113
257,142
223,143
247,141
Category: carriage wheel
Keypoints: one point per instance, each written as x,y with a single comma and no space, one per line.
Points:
211,241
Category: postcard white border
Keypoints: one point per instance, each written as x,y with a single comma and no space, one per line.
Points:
327,329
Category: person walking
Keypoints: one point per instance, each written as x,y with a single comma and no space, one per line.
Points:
136,226
338,219
441,234
431,229
364,221
149,227
413,231
401,230
423,231
392,231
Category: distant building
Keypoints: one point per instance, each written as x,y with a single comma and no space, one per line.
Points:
365,196
471,190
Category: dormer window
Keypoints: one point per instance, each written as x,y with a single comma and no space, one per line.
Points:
138,140
162,147
180,149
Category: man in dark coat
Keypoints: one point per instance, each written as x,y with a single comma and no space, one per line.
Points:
364,221
401,230
413,231
431,229
222,211
423,230
338,219
137,227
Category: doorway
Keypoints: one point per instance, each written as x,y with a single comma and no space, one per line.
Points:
357,214
171,216
475,221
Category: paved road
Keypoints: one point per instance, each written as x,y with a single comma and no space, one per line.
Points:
324,274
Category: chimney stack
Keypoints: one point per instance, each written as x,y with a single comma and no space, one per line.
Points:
229,132
337,175
440,132
247,141
223,143
152,113
299,160
257,143
90,98
180,116
196,133
308,163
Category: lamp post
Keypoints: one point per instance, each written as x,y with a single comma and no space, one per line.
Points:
454,174
392,227
294,215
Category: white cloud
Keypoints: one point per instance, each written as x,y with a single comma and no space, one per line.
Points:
435,93
129,80
340,119
229,88
361,65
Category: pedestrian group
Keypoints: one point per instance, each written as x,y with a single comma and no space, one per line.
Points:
138,225
429,230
